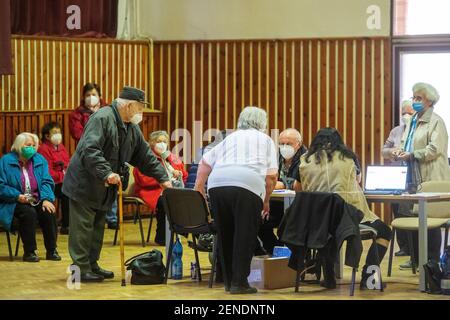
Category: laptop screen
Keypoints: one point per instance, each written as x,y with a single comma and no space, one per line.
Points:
386,177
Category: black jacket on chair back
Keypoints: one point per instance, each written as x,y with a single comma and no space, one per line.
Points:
315,218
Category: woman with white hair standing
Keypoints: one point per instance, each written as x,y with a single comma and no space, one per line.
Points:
425,141
242,172
26,193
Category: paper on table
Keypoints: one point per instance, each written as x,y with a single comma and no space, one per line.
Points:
284,191
426,194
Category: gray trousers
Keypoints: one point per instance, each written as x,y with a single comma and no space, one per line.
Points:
87,227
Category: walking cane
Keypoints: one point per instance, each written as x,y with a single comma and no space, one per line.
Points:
122,248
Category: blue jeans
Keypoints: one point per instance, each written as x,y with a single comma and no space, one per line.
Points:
111,216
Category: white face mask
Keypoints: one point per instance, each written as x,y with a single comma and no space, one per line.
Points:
161,147
91,101
405,118
287,151
137,118
56,138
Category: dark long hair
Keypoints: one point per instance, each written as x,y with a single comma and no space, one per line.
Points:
47,127
91,86
329,140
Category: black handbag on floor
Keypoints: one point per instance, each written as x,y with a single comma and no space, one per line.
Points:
147,268
433,277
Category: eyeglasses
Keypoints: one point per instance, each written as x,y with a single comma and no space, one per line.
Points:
417,98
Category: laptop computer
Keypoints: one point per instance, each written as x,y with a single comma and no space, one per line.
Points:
385,179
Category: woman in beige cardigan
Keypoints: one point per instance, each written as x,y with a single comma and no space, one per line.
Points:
425,139
330,166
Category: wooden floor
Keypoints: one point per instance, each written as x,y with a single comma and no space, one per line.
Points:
47,279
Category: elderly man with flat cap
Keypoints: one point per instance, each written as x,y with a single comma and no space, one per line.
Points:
110,139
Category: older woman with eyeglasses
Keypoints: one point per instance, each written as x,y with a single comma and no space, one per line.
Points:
26,193
425,141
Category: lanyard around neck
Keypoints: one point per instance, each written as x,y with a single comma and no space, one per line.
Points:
27,181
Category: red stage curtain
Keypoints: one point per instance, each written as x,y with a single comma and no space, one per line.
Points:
5,39
49,17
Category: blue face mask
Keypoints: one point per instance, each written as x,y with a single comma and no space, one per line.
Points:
418,106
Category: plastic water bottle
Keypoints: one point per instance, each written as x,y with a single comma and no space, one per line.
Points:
445,266
445,263
193,270
177,262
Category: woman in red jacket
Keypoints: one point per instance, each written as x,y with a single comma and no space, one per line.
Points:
90,103
58,160
150,190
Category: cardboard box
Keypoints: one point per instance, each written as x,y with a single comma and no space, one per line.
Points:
271,273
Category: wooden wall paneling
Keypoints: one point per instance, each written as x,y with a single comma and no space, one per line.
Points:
305,83
50,72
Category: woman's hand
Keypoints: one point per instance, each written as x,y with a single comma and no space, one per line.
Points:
266,211
280,185
176,174
48,206
404,156
395,153
166,185
22,199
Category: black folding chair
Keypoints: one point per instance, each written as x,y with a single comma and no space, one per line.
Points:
187,213
8,240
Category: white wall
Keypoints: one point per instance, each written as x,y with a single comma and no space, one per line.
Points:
257,19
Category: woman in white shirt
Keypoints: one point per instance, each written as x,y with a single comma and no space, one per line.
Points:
242,171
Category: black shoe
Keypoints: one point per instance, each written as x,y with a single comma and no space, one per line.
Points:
401,253
242,289
328,284
104,273
363,285
91,277
64,230
364,278
112,225
31,257
53,256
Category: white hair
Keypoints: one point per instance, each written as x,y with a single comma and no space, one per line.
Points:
252,118
21,139
294,132
122,102
405,104
430,92
156,134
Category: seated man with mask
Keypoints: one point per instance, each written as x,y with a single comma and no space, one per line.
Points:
291,148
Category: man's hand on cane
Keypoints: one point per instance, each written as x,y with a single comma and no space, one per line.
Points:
114,179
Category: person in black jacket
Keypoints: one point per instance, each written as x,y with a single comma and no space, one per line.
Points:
111,138
291,148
